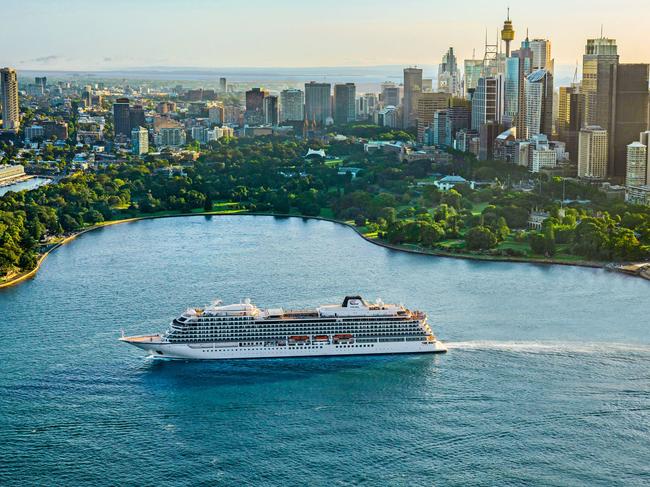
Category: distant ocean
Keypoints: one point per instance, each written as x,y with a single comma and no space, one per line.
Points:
366,77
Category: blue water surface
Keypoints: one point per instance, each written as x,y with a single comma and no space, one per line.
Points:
547,381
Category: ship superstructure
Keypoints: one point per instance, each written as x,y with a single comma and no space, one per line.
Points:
243,330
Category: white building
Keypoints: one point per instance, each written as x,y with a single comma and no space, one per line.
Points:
170,137
638,195
139,141
292,105
11,171
637,165
542,158
592,152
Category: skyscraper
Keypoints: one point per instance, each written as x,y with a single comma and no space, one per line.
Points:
412,89
139,141
473,71
448,75
631,117
599,66
637,164
570,117
255,106
427,105
525,68
593,152
41,81
271,110
541,54
136,116
645,140
292,105
318,103
390,95
223,85
121,117
539,104
488,102
10,108
344,103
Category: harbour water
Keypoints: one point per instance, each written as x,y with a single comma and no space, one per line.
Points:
547,381
31,183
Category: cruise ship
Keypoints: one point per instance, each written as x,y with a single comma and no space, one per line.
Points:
240,331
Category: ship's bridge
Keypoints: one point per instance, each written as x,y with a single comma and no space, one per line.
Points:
357,306
244,308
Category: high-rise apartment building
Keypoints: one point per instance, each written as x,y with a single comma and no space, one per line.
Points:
122,118
292,105
427,105
139,141
9,91
318,103
593,152
345,103
637,164
412,90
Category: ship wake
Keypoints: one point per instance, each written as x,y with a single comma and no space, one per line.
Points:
550,347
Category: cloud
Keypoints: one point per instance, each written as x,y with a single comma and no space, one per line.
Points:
43,59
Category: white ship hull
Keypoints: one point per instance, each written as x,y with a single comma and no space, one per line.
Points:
214,352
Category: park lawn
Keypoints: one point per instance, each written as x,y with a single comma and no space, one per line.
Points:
452,244
510,243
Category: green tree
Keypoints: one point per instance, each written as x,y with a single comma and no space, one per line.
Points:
480,238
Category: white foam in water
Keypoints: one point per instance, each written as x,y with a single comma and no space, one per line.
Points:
549,347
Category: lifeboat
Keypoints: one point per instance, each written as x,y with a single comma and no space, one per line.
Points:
321,338
344,338
299,339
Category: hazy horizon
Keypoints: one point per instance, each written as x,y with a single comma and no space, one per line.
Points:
72,35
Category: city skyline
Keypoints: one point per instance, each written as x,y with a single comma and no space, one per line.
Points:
203,33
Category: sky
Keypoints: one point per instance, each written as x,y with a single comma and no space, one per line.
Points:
117,34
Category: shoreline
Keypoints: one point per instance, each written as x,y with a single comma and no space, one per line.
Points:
17,279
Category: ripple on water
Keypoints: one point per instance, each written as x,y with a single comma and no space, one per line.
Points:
546,381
